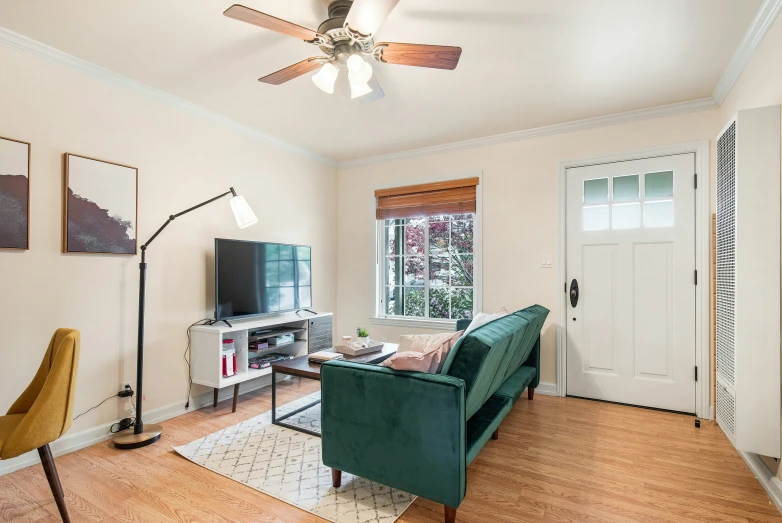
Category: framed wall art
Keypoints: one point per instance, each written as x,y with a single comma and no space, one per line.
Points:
14,194
100,208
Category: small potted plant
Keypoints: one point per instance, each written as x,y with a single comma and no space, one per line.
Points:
363,335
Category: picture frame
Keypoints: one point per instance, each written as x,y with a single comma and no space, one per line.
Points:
15,158
100,207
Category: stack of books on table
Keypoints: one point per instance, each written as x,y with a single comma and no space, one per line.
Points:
320,357
262,362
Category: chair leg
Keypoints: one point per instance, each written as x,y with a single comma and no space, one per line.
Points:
336,478
54,481
530,392
450,514
496,434
236,396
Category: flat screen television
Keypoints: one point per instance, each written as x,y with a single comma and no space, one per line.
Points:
256,278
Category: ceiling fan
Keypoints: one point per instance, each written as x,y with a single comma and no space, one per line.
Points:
346,38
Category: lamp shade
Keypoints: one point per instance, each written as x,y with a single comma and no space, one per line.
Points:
242,212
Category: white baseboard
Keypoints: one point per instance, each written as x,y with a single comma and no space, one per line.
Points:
546,388
73,441
769,481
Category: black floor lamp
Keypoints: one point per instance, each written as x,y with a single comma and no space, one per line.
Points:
141,435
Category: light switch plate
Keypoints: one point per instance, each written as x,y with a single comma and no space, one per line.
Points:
547,262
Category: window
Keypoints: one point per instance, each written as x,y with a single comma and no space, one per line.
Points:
600,212
426,258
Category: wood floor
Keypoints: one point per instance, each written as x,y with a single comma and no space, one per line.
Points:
556,460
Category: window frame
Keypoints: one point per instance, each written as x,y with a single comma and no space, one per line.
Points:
378,316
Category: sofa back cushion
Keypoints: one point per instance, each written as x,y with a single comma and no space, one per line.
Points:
482,357
536,316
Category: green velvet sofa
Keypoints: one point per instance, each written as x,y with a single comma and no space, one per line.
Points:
418,432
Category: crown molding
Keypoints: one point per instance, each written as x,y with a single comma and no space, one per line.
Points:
42,51
704,104
763,21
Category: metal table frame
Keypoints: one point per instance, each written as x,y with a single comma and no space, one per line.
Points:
279,420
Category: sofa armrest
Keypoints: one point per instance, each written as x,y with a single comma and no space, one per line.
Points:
533,360
405,430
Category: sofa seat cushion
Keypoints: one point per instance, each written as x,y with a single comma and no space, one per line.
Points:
516,383
483,423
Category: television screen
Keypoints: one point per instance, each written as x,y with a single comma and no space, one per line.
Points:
254,278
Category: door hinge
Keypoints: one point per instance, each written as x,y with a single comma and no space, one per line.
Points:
696,276
696,373
696,180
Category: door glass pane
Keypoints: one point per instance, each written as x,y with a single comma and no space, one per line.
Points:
658,214
596,191
626,188
439,303
625,215
415,301
595,218
658,185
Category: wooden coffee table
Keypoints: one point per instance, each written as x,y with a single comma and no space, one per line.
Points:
304,368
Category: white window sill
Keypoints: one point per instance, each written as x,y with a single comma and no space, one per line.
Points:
413,323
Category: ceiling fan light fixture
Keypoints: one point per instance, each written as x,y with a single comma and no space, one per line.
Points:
359,73
326,77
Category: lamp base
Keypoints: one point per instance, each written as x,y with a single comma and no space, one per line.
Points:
126,439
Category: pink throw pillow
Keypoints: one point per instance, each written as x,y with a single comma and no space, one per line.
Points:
432,358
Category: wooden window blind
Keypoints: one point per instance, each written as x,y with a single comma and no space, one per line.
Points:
430,199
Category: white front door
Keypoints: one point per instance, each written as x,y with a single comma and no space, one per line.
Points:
631,253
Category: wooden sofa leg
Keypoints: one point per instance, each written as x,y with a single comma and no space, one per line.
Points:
54,481
530,392
336,478
450,514
496,434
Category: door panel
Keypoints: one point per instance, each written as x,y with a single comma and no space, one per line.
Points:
631,247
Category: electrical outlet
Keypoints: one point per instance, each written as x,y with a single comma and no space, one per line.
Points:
125,384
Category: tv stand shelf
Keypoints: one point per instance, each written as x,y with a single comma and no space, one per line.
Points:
206,344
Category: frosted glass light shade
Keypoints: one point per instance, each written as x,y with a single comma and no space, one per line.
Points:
326,77
359,75
242,212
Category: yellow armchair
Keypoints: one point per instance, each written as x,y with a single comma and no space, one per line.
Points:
44,411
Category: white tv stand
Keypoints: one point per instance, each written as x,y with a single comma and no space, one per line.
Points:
206,346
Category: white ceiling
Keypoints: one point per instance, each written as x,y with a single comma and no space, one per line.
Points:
525,63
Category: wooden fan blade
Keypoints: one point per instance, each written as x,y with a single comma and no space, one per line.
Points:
419,55
251,16
366,16
292,71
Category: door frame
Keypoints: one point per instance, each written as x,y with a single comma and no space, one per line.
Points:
702,259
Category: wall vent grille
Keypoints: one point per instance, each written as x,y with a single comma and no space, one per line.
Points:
726,255
726,410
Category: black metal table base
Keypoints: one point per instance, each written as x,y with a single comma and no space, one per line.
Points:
278,420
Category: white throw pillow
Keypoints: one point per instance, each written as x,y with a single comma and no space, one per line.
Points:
482,319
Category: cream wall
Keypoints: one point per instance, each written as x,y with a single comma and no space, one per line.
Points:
519,214
182,160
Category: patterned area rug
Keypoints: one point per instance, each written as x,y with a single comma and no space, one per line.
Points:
286,464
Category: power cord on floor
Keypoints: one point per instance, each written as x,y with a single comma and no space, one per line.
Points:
186,357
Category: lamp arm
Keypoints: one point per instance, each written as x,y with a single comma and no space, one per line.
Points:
175,216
